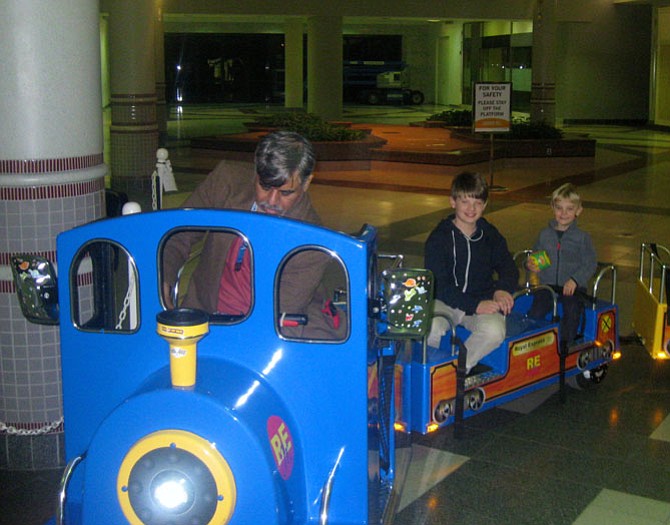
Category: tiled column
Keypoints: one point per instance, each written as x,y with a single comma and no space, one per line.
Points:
543,86
51,179
134,129
324,66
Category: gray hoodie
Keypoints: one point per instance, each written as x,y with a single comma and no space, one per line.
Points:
572,255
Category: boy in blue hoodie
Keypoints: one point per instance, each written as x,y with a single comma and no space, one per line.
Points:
572,261
465,253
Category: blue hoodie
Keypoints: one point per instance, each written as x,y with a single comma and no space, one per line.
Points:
464,267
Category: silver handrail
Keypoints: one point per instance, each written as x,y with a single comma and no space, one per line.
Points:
452,329
655,261
525,254
64,481
596,283
529,290
327,490
397,258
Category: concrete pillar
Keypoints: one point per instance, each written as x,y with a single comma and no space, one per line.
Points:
543,85
324,66
134,129
161,104
293,60
51,179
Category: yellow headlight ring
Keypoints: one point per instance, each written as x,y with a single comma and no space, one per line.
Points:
201,449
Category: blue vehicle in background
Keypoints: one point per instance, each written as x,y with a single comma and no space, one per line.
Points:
377,82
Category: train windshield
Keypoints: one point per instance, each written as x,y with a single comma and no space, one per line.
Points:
208,269
311,291
105,292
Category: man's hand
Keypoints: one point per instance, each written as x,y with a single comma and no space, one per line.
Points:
569,287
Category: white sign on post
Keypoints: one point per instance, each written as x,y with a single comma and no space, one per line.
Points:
492,108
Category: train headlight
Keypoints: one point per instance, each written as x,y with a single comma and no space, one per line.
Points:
172,491
177,478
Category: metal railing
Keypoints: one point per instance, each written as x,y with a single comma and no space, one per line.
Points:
651,253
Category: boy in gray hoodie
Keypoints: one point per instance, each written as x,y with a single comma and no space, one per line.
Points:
572,261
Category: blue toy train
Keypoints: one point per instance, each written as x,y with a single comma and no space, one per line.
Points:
178,416
437,392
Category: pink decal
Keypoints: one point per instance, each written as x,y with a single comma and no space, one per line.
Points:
282,446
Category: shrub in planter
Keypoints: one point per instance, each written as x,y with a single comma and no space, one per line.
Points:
288,119
520,128
525,129
311,126
454,117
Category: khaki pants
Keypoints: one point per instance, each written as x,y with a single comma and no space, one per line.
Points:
487,331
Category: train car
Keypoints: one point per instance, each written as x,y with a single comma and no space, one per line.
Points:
650,316
439,393
179,416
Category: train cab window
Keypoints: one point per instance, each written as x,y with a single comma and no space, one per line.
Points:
210,270
105,292
311,296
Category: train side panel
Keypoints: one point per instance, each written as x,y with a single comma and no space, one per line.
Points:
529,359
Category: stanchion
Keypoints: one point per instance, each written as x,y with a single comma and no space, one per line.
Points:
493,187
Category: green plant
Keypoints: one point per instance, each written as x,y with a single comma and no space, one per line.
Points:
525,129
310,126
454,117
521,128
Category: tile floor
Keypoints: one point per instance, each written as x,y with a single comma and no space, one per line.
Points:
604,455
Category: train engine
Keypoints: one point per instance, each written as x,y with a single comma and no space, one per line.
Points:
175,415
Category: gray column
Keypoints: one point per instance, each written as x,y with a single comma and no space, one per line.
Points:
134,129
324,66
51,179
543,86
161,105
293,59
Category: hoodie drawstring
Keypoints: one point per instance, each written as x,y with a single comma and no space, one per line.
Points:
468,240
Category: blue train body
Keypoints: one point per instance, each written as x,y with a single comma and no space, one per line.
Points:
300,430
529,359
277,425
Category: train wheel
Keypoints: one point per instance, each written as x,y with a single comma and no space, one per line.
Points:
608,349
443,410
584,359
476,399
590,378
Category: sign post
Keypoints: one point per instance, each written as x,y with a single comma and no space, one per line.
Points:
492,114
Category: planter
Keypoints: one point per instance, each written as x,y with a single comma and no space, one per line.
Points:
335,155
568,146
256,126
565,147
